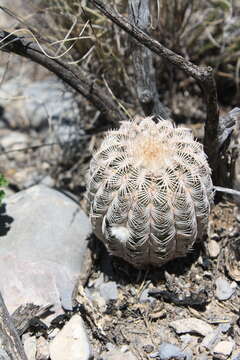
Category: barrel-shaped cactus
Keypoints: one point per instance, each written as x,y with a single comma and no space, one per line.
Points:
149,191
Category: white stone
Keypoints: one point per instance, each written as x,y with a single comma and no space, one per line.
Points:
191,325
30,347
224,348
71,342
42,349
224,290
213,248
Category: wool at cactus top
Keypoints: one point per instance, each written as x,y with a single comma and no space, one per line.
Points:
149,191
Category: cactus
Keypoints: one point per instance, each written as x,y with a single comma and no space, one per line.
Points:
149,191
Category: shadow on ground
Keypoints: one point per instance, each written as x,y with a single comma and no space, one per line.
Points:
5,221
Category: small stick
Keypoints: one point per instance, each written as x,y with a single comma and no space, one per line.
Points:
227,190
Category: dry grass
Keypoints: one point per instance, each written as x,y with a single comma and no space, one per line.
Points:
204,31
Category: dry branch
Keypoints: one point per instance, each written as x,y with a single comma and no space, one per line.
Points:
71,75
9,338
144,71
203,75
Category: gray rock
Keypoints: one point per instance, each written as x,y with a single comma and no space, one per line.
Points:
109,291
42,252
224,290
71,342
224,348
49,100
191,325
30,347
169,351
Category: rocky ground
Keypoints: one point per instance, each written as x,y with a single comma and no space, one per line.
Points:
69,299
100,307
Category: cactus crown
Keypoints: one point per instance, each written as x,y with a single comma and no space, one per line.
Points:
150,191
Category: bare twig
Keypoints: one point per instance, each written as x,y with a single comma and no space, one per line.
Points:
227,191
139,15
9,338
203,75
71,75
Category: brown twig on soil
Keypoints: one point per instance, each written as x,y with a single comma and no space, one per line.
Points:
73,76
203,75
142,57
9,338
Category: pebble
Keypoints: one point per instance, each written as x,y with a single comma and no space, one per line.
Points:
71,342
203,357
109,291
122,353
148,348
188,354
224,348
169,351
191,325
42,349
30,347
188,339
48,181
213,249
14,140
224,290
215,236
224,327
211,339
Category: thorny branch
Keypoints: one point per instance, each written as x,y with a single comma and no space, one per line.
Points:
203,75
71,75
139,15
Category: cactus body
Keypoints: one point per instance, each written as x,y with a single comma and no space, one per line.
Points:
149,191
